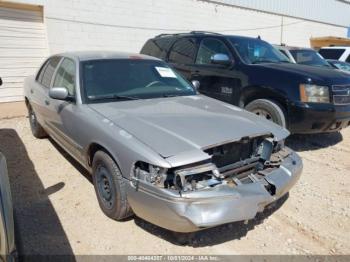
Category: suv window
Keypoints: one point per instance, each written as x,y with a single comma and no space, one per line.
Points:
348,59
210,47
157,47
332,53
48,71
183,51
65,76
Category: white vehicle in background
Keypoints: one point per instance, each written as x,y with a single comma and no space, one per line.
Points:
341,53
303,56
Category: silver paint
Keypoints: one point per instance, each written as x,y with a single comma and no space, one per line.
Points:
168,133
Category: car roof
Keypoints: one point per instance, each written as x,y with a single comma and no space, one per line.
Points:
101,55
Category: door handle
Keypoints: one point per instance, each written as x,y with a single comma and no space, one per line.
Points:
47,102
31,91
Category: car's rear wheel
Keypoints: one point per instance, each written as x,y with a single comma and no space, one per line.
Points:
110,187
268,109
37,130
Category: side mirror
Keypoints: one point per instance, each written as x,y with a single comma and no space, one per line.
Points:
59,93
196,84
220,59
0,81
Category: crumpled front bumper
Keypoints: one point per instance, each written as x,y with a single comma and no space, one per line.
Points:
222,204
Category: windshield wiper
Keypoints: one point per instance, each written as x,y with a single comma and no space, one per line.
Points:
117,97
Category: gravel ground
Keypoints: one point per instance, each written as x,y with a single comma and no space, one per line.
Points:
57,211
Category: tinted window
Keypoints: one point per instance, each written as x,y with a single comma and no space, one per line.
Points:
183,51
106,79
332,53
208,48
254,51
348,59
157,47
49,71
65,76
308,57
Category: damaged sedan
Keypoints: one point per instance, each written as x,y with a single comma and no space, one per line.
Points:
154,146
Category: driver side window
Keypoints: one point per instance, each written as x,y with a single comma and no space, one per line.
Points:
65,76
208,48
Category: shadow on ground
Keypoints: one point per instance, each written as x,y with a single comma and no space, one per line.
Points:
212,236
38,228
300,143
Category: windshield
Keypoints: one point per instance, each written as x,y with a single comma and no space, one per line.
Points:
309,57
127,79
254,51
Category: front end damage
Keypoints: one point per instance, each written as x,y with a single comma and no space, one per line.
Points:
238,180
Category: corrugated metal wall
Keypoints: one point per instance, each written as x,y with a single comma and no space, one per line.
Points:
335,12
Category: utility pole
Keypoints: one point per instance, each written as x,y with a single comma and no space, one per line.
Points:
282,27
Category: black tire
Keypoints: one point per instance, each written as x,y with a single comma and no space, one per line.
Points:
110,187
271,110
37,130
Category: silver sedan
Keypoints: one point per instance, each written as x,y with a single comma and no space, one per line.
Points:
154,146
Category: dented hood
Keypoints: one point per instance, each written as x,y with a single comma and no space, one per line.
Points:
171,126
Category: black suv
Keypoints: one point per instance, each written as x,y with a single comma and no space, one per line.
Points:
251,73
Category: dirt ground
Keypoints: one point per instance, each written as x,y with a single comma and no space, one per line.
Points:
57,211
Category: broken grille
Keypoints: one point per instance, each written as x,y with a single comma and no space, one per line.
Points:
231,153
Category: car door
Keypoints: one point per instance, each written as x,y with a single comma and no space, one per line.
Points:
62,114
182,56
40,88
217,81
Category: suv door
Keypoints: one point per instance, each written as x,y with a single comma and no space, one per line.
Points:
217,81
62,113
182,55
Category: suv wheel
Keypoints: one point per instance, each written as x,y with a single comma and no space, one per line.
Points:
37,130
110,187
268,109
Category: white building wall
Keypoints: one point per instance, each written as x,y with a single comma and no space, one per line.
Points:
125,25
327,11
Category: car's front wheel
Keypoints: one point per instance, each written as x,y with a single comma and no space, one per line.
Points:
110,187
37,130
268,109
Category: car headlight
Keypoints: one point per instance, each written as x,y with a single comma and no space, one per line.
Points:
314,93
150,174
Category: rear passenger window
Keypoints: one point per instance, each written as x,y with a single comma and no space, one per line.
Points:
48,71
157,47
183,51
208,48
332,53
65,76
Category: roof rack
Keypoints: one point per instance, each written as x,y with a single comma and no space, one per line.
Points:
192,32
204,32
175,34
